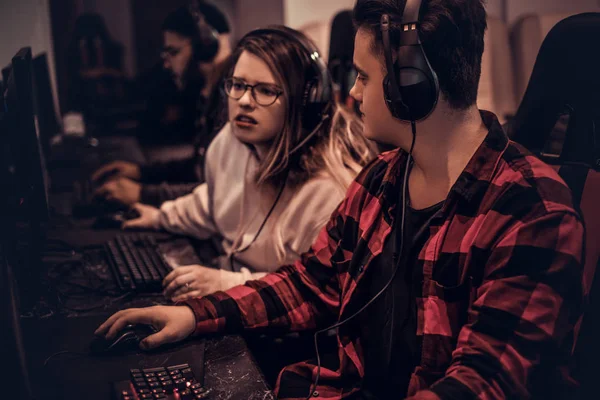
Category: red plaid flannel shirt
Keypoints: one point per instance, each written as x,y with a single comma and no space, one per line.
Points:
502,328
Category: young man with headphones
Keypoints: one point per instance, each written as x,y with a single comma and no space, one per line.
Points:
452,269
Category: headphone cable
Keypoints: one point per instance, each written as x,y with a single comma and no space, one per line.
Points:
389,282
324,118
262,225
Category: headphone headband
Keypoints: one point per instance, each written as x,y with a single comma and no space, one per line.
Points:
411,12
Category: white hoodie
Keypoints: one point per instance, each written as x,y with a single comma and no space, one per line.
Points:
230,205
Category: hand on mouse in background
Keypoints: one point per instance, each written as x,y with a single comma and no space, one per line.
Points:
117,169
121,190
174,324
148,218
115,220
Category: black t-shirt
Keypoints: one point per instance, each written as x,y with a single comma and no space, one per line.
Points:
389,326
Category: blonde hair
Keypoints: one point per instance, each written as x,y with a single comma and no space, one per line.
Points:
341,153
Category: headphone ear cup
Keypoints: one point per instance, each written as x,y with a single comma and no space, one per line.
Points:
312,108
418,93
418,86
393,100
310,94
206,45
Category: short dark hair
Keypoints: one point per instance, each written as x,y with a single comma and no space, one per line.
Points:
452,34
182,22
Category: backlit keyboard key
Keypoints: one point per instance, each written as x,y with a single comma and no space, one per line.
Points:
187,373
180,366
186,394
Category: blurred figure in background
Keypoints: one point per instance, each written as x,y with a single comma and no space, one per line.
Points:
185,104
177,89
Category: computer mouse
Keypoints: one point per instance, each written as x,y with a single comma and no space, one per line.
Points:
132,213
126,341
115,220
109,221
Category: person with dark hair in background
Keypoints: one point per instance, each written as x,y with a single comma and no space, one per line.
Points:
452,269
197,111
177,102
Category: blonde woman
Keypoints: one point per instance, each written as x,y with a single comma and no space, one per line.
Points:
275,172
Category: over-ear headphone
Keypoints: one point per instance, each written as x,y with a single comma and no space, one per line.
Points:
411,88
318,89
205,44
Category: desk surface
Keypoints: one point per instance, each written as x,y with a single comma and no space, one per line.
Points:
230,370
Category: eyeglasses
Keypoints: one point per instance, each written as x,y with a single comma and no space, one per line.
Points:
263,93
170,52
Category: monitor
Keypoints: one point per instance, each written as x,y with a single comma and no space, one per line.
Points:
46,113
5,180
15,376
6,73
26,156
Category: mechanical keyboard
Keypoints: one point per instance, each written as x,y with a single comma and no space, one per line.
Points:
137,263
162,383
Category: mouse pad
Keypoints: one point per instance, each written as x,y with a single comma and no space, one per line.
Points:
78,375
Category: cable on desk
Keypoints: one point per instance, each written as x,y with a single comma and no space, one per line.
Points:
70,263
63,352
90,283
97,306
86,290
61,244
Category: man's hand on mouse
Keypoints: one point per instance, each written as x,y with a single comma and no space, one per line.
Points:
148,218
121,190
117,169
174,323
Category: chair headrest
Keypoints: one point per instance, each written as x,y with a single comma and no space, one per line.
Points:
566,76
341,44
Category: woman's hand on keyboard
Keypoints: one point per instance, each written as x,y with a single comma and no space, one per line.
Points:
174,323
148,218
191,281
